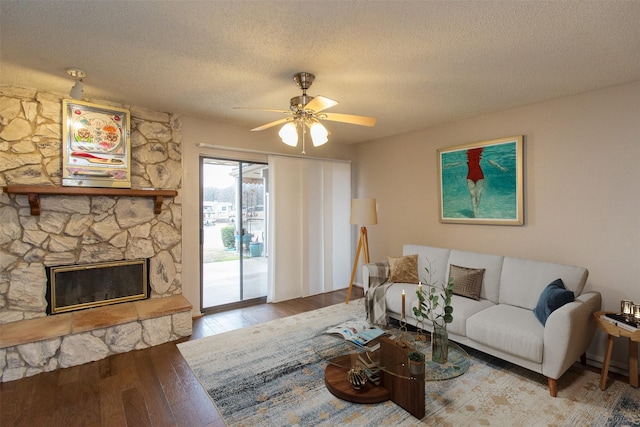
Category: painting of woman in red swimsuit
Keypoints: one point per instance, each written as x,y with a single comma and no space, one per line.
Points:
475,172
475,177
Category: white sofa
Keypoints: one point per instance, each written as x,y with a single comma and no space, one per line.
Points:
502,322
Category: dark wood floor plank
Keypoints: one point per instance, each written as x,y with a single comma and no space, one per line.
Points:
124,368
43,405
135,408
105,367
202,404
186,415
158,407
78,403
15,401
68,376
201,328
150,387
112,411
168,378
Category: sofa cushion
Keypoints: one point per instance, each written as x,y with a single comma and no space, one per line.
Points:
437,257
509,329
523,280
403,269
463,308
467,282
554,296
493,267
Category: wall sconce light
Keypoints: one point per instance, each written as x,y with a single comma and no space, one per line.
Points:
78,88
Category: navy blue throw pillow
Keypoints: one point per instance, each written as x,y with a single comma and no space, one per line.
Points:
554,296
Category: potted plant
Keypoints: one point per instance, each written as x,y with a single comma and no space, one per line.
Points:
416,363
255,248
434,304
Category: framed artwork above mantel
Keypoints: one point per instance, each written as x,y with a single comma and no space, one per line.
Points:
482,182
95,145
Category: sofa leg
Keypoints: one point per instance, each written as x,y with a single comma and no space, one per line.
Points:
553,387
583,359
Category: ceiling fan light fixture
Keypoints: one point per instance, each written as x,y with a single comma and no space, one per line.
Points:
307,111
289,134
319,134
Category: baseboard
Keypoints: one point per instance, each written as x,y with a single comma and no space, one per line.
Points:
597,361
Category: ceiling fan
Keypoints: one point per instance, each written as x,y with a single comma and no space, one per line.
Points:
307,111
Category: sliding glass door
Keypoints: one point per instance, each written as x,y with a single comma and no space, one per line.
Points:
234,235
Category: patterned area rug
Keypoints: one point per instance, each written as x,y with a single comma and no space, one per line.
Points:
269,375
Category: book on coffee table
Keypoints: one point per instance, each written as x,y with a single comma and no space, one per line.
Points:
621,321
358,332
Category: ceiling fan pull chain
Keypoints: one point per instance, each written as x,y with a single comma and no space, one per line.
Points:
304,132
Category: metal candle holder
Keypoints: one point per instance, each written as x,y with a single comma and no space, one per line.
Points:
627,308
420,335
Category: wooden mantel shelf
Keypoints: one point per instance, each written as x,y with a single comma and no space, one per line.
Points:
34,192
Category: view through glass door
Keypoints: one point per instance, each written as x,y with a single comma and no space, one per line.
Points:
234,234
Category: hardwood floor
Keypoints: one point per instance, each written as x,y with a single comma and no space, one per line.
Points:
150,387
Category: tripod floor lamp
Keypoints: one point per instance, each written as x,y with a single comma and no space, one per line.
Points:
363,212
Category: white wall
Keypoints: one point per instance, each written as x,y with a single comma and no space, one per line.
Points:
582,196
196,132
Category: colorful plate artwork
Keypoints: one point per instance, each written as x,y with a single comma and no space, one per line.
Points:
96,132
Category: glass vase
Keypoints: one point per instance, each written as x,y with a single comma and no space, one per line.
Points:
439,344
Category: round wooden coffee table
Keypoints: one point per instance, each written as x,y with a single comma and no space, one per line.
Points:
337,382
397,383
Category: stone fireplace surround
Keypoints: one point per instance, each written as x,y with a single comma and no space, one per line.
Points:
83,229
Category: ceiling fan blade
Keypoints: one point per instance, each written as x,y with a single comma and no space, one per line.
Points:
349,118
262,109
320,103
272,124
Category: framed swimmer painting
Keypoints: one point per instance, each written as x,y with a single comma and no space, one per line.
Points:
95,145
482,183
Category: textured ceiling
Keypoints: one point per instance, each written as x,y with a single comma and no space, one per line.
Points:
410,64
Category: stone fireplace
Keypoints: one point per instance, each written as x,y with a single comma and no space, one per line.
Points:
76,287
84,229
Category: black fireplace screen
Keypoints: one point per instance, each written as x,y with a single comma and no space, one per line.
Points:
74,287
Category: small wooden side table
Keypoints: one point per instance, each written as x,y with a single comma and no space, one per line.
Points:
616,331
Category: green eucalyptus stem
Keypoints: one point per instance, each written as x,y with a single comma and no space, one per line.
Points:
432,298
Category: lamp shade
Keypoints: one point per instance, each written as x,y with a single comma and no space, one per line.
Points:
364,211
318,134
289,134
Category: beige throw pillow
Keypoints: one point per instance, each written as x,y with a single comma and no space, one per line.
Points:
403,269
467,282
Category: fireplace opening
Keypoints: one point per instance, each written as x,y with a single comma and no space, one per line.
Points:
80,286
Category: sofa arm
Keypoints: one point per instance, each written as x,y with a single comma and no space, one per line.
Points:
568,333
374,274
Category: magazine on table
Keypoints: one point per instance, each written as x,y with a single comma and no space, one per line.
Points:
358,332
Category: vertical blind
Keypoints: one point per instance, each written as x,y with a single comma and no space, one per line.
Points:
310,248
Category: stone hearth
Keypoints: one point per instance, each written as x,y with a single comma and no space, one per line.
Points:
69,339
